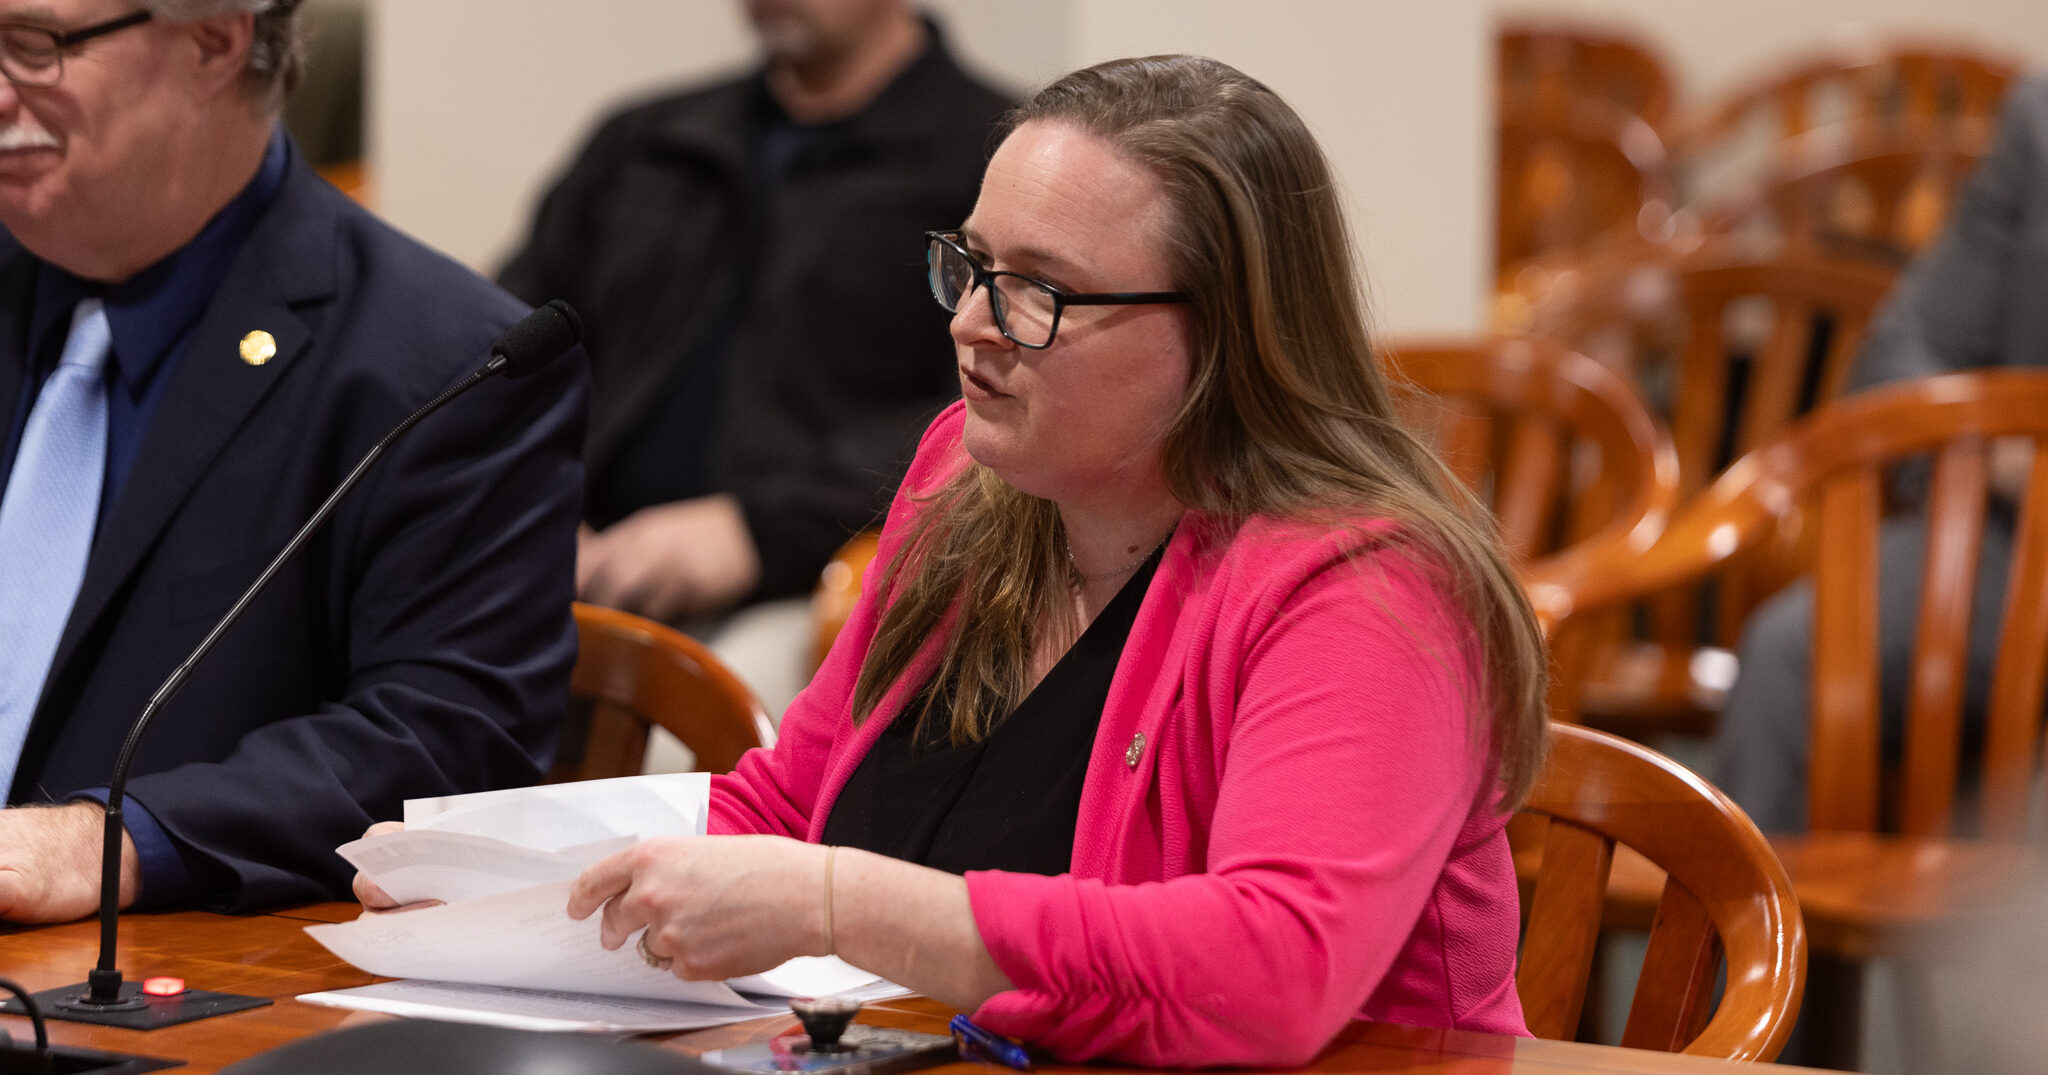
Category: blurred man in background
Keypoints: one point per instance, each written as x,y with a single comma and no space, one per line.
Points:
748,258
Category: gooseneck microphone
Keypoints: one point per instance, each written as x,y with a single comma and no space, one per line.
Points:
536,340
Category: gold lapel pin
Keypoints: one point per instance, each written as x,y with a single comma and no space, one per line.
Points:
258,347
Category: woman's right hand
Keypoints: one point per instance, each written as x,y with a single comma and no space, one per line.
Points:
375,900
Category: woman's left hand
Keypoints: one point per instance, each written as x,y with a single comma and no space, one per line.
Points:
719,906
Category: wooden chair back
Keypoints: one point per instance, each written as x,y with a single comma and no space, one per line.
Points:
637,674
1746,345
1571,175
838,589
1831,467
1765,341
1914,92
1878,197
1726,895
1545,63
1560,448
1868,194
1908,87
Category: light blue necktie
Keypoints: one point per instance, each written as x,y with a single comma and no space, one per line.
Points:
47,517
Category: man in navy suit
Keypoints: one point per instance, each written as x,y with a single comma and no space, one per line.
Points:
231,335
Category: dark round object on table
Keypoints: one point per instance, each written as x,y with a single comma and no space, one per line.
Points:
824,1019
418,1047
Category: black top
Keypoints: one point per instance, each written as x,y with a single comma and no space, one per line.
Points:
1008,802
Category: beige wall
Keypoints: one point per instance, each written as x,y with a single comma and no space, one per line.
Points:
475,103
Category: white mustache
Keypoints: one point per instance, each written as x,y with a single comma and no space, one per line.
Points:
22,136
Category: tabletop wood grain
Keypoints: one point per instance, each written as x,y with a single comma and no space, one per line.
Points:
270,955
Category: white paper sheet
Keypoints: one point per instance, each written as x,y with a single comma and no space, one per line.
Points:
503,862
427,864
555,816
533,1009
806,976
524,939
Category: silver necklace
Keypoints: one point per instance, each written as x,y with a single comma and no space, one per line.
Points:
1079,575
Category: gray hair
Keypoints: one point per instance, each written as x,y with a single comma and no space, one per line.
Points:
277,54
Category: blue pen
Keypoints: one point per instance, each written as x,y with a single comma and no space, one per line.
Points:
976,1044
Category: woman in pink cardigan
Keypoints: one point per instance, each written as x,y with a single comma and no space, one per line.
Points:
1179,722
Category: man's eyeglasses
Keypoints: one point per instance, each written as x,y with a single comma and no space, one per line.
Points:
34,55
1027,311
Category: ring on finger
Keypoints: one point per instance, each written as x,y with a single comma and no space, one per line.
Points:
647,956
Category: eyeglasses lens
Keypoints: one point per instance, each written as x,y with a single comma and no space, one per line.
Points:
1024,309
951,274
1027,310
29,55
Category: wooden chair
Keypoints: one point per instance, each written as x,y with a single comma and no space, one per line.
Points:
1759,343
1866,193
1915,92
1570,175
1562,449
1723,892
637,674
1547,62
838,588
1880,875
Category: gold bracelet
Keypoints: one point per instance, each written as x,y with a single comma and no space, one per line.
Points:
830,948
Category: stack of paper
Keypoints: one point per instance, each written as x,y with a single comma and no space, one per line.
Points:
503,950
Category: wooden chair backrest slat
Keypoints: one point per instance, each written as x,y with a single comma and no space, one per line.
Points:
1845,671
1557,959
1675,989
1941,666
2020,677
1726,893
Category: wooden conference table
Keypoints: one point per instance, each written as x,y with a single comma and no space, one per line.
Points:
270,955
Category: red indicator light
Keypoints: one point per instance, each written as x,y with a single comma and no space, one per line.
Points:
163,987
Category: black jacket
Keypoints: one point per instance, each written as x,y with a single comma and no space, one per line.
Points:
837,357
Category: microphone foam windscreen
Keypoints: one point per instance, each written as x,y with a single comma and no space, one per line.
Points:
538,338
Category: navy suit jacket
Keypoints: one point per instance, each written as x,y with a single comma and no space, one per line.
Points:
420,645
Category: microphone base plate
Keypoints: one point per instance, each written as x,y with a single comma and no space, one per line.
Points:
155,1012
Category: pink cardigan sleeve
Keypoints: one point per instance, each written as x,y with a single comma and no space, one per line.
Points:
1350,770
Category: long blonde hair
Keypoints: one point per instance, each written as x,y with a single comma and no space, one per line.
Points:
1287,413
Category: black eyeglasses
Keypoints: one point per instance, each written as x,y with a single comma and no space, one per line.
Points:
34,55
1027,311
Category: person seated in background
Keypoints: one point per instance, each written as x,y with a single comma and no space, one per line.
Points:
198,339
1181,721
1971,300
760,371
